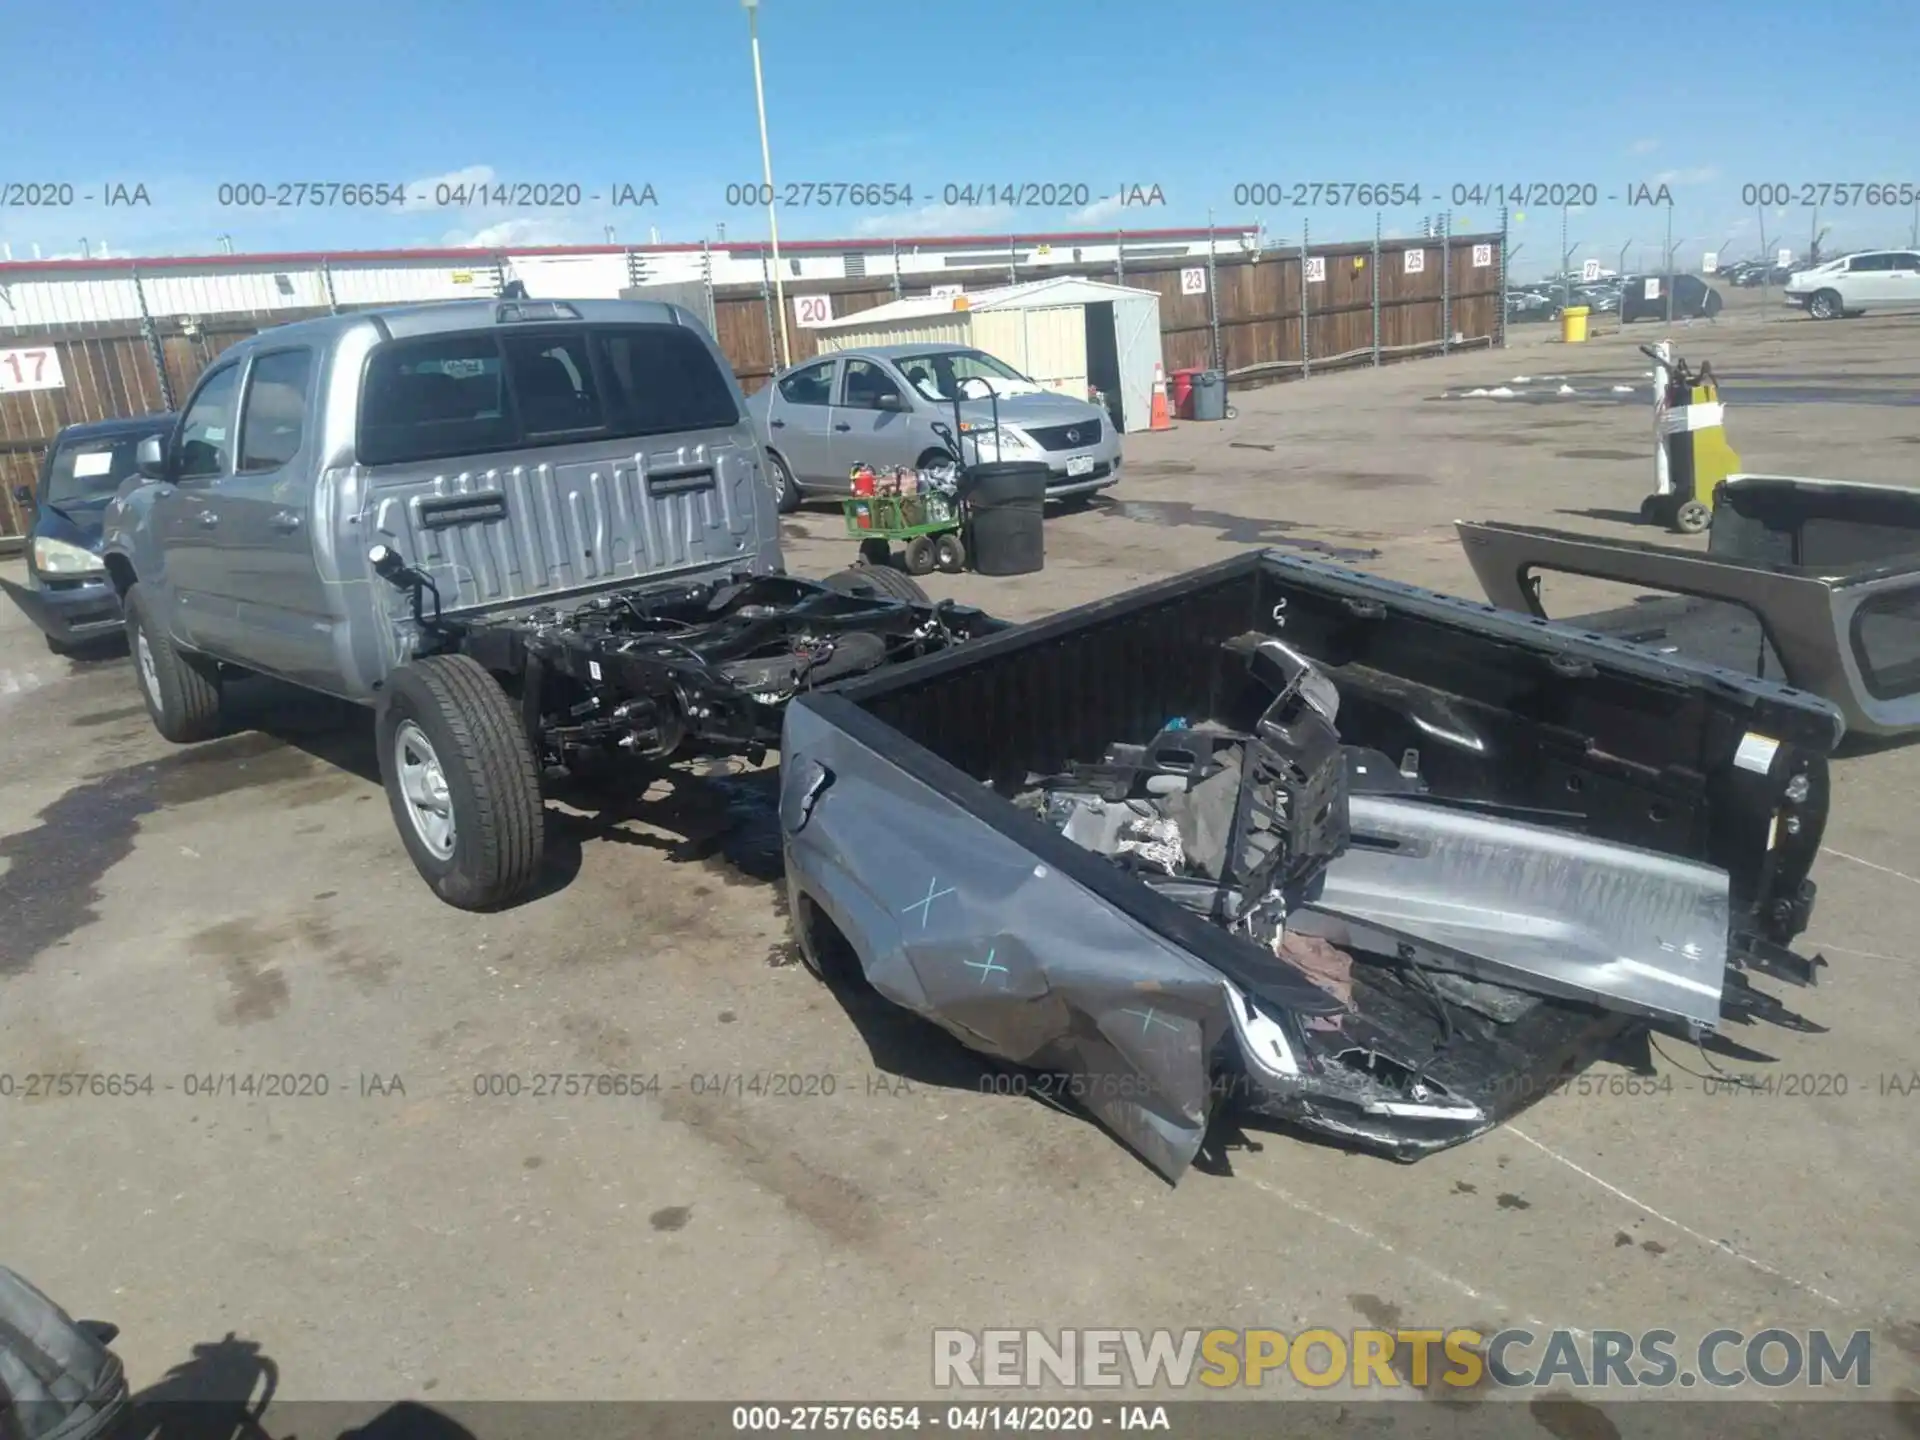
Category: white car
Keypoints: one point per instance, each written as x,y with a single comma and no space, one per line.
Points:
1869,280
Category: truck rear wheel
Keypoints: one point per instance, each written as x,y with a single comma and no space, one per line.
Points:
460,778
182,691
878,580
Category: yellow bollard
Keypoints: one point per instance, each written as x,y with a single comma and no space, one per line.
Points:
1573,324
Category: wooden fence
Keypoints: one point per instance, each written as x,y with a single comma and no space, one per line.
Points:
1366,303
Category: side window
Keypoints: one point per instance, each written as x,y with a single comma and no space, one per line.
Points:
274,417
1907,260
865,384
206,436
810,385
1886,643
1869,262
552,382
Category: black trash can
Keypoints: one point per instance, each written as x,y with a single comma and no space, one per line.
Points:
1008,505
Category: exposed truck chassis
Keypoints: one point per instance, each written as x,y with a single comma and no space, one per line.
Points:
662,670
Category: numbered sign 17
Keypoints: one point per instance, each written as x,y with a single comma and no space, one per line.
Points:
809,310
35,369
1193,280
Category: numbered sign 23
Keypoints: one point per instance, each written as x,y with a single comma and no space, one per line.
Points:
1193,280
812,309
36,369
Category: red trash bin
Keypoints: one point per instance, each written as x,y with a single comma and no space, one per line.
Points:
1180,392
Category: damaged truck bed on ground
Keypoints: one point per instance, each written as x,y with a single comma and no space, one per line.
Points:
1375,862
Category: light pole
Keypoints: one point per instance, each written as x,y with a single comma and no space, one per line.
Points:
766,169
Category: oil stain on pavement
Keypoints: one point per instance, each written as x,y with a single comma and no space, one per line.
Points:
51,885
1240,529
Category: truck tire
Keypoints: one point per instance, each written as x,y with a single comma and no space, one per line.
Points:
182,691
878,580
460,778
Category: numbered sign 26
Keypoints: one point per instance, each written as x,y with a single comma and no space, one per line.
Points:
1193,280
1482,256
35,369
812,309
1316,269
1416,261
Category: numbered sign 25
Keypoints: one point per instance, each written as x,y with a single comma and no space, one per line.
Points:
1482,256
35,369
1416,262
812,309
1193,280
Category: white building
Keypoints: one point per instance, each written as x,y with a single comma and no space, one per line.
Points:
37,295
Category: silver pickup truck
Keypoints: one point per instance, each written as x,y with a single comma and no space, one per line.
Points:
520,531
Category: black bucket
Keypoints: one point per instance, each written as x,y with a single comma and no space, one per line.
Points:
1008,506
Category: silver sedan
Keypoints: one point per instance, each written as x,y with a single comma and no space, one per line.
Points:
878,406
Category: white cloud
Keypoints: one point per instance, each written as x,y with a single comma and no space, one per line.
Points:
524,230
1697,176
1643,147
942,220
1105,209
420,193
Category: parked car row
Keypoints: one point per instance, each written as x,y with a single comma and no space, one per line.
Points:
1630,297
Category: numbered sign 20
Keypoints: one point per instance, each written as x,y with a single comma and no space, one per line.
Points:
36,369
1415,262
1316,269
1482,256
1193,280
812,310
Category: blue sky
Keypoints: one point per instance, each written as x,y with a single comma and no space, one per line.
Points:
1705,98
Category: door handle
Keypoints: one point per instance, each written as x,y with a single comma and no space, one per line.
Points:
285,521
843,426
208,519
777,424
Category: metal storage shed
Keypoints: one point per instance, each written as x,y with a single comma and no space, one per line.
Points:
1068,334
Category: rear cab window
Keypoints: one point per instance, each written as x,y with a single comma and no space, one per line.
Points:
1886,643
472,392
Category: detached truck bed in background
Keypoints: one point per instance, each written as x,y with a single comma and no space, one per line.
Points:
1377,862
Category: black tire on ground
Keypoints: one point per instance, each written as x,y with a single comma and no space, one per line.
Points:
784,486
878,580
461,781
875,552
1232,413
919,557
1826,305
182,691
950,552
1693,517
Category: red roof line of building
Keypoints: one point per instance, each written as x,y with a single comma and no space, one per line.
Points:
475,255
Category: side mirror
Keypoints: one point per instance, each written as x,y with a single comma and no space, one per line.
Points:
23,496
890,400
150,459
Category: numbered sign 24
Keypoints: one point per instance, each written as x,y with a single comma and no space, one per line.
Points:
1316,269
35,369
1482,256
809,310
1193,280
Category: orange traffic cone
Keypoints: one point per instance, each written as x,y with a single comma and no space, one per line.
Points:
1161,420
